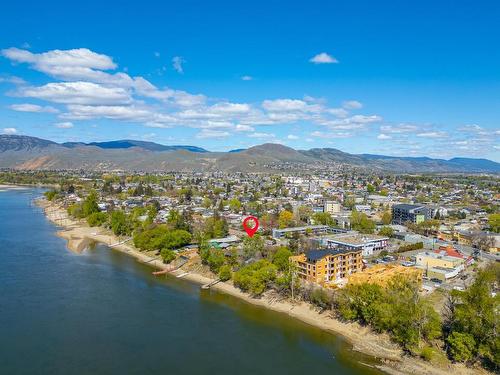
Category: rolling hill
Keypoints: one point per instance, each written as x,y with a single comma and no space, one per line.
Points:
25,152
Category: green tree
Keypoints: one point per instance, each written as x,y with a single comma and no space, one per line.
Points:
461,346
235,205
386,231
97,219
50,195
323,218
494,222
281,258
90,204
120,223
255,277
386,218
225,272
475,315
168,255
361,222
215,259
215,227
253,246
285,219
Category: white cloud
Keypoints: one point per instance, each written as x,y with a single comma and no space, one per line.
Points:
352,104
246,78
89,91
64,125
399,129
383,136
323,58
319,134
77,93
208,133
261,135
244,128
230,108
350,123
9,131
338,112
157,54
177,62
122,113
433,134
27,107
292,137
45,62
290,105
13,79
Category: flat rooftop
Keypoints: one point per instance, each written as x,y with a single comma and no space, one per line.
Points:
357,239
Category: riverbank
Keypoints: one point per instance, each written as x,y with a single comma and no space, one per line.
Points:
392,359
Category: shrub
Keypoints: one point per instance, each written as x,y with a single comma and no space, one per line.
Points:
97,219
168,255
461,346
255,277
225,272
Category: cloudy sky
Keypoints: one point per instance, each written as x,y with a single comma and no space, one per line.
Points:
396,78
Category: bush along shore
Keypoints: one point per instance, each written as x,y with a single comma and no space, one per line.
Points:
393,323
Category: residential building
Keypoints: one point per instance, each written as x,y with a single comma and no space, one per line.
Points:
366,243
382,274
312,229
328,267
402,213
439,265
332,207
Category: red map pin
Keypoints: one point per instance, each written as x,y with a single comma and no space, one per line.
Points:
249,228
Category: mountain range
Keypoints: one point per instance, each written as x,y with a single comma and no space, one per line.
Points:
25,153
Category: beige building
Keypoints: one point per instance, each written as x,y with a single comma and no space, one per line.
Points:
327,267
332,207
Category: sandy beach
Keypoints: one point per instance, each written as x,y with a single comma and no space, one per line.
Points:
393,361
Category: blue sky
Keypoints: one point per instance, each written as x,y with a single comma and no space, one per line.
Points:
388,77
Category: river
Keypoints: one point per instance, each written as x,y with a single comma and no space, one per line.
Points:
102,312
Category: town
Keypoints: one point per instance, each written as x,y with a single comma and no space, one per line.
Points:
320,235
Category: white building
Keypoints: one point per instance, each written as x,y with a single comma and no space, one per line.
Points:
367,243
332,207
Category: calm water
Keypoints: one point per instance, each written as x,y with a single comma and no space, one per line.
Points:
103,313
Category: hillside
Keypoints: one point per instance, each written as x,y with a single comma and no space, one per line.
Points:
24,152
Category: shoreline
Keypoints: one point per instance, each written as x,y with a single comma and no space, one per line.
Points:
391,358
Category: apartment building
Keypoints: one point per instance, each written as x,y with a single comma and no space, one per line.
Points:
366,243
402,213
327,267
308,229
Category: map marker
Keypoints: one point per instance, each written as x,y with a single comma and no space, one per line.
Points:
251,229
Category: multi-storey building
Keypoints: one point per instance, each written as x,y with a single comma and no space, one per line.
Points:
308,229
402,213
332,207
328,266
366,243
